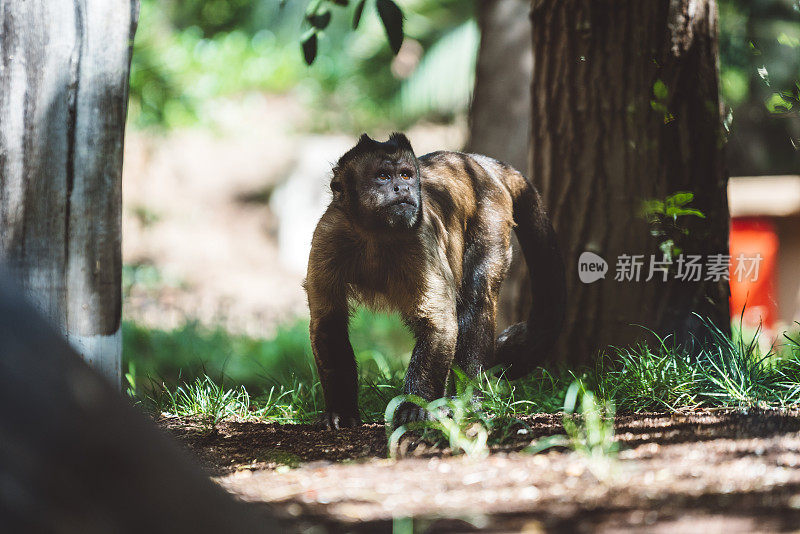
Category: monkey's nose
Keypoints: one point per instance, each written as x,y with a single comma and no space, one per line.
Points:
397,189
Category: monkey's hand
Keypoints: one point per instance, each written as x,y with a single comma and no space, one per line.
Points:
408,412
336,420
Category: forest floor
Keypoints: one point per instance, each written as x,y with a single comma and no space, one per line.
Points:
704,470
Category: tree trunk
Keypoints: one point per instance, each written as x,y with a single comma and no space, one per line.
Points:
63,97
625,109
500,118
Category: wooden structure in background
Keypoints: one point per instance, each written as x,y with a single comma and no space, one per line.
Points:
63,98
765,212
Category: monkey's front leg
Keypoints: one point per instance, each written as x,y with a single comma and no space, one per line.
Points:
336,365
430,362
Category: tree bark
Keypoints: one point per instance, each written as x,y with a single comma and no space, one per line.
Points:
500,118
63,98
626,108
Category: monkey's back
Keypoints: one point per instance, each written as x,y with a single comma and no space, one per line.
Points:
465,189
459,183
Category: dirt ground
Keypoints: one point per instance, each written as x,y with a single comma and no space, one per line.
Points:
701,471
196,209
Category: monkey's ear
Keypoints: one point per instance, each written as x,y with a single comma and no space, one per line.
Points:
401,141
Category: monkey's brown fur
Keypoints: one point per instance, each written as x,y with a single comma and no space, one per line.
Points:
430,238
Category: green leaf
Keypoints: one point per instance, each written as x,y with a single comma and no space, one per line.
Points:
652,207
660,90
357,13
658,106
341,2
392,19
674,211
319,20
681,198
310,47
776,103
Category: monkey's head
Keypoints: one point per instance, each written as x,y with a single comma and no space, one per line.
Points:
378,184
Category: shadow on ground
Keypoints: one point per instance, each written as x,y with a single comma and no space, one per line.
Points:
711,471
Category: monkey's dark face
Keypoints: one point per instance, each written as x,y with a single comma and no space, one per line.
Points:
390,193
379,184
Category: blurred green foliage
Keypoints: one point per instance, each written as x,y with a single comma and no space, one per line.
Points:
193,351
187,53
760,84
759,49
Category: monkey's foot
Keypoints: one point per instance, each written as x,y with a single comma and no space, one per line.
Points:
408,412
336,420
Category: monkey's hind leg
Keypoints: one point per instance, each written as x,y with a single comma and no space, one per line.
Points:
430,363
485,266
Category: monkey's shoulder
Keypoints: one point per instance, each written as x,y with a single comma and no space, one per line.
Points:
459,170
459,186
333,239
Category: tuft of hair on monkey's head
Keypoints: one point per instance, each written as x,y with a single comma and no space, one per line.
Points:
377,184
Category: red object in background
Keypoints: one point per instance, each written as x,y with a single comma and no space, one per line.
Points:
752,236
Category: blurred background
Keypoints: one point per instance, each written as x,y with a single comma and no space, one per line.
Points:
231,137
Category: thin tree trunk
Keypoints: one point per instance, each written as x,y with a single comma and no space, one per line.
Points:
63,97
626,108
500,118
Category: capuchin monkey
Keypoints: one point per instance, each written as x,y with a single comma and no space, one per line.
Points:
428,237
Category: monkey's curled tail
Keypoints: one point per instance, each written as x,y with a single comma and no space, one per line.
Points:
523,346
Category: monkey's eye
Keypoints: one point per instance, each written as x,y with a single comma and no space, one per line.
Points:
383,176
405,175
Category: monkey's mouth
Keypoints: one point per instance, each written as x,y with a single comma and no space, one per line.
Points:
404,203
402,213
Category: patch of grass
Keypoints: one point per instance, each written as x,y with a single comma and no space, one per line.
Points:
458,421
735,373
276,381
641,379
589,431
207,400
192,351
588,423
483,412
727,372
185,371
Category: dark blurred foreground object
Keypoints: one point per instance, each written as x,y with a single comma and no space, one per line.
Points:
63,97
76,457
